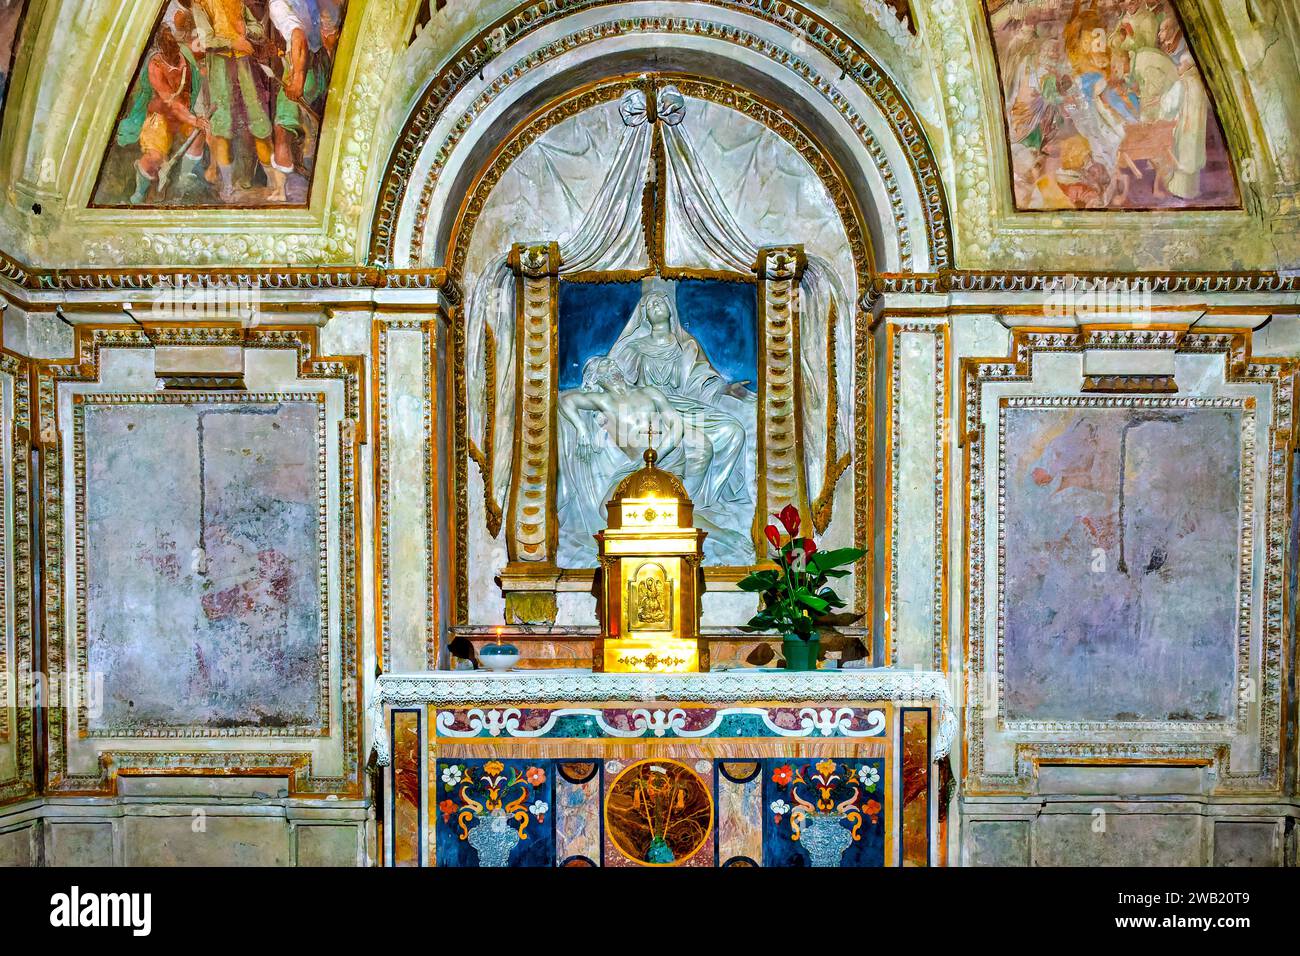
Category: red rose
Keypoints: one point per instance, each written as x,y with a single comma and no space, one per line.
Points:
782,776
536,776
448,808
773,535
789,517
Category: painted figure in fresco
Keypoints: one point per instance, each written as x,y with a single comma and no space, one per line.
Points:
163,114
304,76
227,32
1106,108
1103,103
254,75
11,14
1186,103
427,9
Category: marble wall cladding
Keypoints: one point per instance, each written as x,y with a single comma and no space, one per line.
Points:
204,606
915,793
322,845
405,817
918,367
740,812
30,333
577,813
1248,843
406,450
1109,836
80,844
230,826
995,843
216,841
17,845
1110,833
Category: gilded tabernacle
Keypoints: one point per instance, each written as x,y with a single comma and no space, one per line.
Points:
649,581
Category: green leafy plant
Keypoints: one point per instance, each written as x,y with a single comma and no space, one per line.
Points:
795,595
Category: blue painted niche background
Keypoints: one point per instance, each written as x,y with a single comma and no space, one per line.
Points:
723,317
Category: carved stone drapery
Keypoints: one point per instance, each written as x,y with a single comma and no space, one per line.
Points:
647,196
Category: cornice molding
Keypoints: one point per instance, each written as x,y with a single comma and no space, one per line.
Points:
453,688
24,284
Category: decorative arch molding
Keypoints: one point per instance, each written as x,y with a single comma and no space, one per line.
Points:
854,108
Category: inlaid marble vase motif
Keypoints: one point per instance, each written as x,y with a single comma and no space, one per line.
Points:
823,836
828,813
495,813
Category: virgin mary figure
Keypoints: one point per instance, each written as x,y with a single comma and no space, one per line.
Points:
719,415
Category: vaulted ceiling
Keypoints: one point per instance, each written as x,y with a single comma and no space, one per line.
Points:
102,164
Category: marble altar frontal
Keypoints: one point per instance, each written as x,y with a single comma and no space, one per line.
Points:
686,779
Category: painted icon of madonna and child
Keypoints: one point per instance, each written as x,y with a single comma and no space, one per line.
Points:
658,379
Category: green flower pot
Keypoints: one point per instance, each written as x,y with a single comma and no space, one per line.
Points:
801,655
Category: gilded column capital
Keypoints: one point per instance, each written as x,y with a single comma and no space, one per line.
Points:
536,260
781,263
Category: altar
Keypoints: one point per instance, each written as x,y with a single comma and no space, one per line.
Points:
754,767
